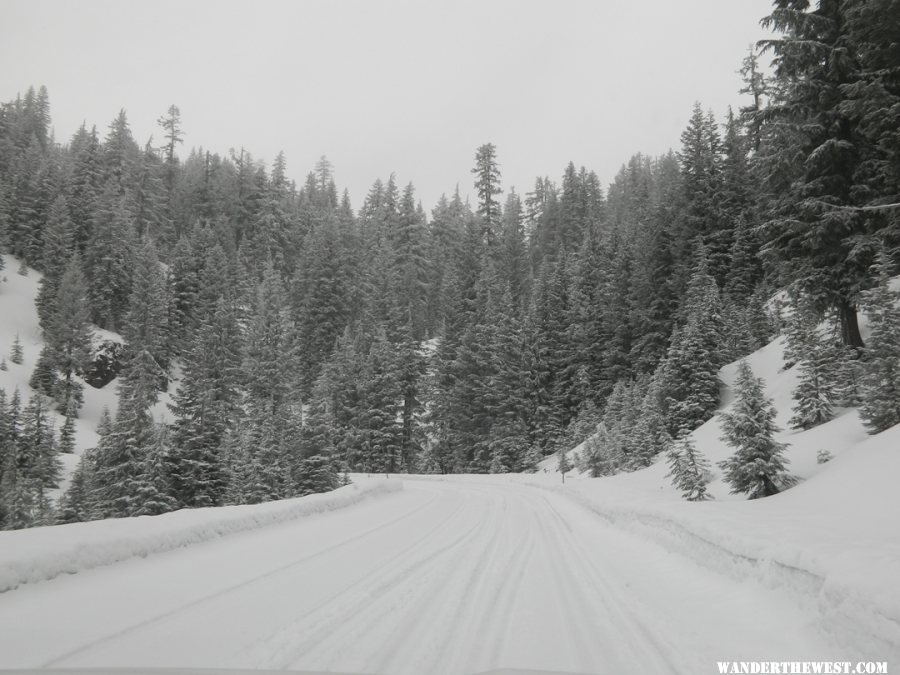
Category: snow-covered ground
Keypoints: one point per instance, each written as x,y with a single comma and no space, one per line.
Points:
444,576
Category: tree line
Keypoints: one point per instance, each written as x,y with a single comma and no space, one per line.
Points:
310,338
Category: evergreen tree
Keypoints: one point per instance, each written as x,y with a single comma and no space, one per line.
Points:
37,450
206,404
757,467
108,259
58,248
690,380
688,469
817,359
880,387
380,423
487,186
67,335
16,354
67,431
128,453
85,185
78,503
145,327
812,158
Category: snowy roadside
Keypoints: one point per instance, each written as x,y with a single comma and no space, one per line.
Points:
42,553
831,543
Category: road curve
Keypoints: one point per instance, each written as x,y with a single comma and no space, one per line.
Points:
455,576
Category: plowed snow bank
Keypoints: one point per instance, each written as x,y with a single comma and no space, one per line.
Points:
39,554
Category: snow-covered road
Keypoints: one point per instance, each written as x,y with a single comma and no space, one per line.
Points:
454,576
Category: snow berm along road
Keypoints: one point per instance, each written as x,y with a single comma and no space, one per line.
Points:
442,576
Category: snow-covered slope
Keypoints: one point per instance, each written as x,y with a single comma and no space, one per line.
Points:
833,540
18,316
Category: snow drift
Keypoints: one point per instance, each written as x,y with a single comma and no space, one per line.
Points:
42,553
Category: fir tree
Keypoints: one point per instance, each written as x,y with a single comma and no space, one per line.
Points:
77,503
811,153
757,467
125,456
108,260
817,360
487,186
68,337
880,386
688,469
145,325
16,354
58,248
689,375
206,404
67,431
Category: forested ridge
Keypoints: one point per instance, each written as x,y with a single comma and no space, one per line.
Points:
313,339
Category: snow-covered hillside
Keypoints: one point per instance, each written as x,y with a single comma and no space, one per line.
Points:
19,317
833,540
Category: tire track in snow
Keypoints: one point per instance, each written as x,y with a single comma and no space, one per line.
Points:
497,622
439,643
348,616
637,635
136,627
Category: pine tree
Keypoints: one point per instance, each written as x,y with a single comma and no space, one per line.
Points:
880,386
811,153
85,185
153,489
382,433
145,325
174,135
37,450
67,335
16,354
487,186
206,404
817,360
701,165
269,384
78,503
58,248
120,155
108,260
757,467
67,431
688,469
690,380
122,454
127,459
184,287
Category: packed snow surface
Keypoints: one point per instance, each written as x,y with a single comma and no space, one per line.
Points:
454,576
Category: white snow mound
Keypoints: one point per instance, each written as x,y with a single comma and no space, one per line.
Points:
42,553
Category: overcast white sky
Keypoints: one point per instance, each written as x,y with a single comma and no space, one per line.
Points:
378,86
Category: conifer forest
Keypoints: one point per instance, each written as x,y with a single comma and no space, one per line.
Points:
305,338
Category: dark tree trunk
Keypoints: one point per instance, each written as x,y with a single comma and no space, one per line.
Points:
850,325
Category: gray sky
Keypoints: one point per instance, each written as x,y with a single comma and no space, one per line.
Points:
378,86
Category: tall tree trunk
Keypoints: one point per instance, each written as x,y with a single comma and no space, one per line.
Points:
850,325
